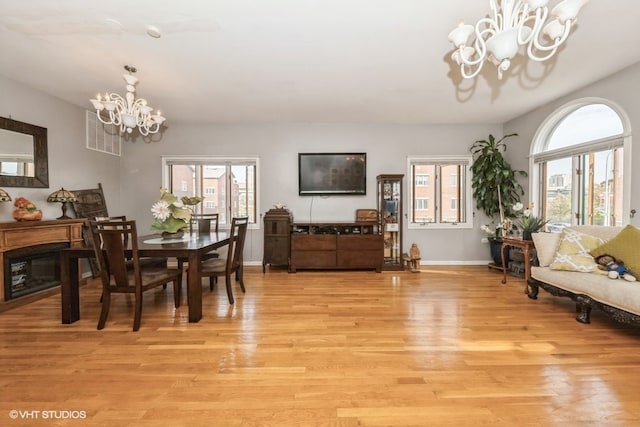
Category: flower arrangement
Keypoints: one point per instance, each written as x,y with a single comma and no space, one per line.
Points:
528,222
172,214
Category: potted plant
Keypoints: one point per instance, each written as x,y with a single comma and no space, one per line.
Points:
171,215
495,185
528,222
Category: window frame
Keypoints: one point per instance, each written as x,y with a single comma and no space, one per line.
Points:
461,160
537,155
228,161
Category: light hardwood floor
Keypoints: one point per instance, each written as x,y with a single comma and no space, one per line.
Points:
450,346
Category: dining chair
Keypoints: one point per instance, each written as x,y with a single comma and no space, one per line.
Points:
114,243
205,223
232,263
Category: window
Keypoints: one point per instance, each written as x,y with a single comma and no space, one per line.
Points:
579,167
184,186
440,191
229,186
422,180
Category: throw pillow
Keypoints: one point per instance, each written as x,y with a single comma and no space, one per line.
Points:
573,252
625,247
546,245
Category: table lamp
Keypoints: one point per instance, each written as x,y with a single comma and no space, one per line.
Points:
63,196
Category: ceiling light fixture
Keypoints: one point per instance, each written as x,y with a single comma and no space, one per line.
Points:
512,24
127,112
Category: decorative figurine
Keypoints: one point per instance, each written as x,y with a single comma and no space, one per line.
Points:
26,211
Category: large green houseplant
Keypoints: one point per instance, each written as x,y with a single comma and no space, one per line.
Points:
495,183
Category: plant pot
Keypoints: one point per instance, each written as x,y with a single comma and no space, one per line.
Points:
526,235
495,245
172,236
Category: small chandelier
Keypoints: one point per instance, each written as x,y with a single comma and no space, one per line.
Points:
127,112
512,24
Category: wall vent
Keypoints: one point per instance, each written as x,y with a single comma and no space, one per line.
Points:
101,137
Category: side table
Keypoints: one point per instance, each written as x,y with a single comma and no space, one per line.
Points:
526,246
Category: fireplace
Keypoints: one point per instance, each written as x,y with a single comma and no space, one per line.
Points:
31,269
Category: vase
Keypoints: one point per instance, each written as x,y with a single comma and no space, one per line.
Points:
172,236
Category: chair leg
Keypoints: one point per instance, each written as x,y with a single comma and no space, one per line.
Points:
138,312
106,302
212,282
177,293
241,284
229,290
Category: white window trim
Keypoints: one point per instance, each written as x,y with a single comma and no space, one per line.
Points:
213,159
457,159
547,127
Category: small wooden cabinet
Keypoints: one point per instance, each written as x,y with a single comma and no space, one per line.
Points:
390,208
336,246
277,237
27,238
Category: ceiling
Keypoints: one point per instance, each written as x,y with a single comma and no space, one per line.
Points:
297,61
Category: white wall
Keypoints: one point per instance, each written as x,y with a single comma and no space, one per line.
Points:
132,182
277,147
621,88
71,165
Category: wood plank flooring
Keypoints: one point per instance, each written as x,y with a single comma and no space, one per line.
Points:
450,346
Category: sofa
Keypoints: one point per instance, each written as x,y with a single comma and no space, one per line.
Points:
566,267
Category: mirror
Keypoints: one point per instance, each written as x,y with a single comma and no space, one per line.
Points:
24,158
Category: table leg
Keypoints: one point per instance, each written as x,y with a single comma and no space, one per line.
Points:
527,268
194,288
69,288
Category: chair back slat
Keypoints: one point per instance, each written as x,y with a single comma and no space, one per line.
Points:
112,239
204,223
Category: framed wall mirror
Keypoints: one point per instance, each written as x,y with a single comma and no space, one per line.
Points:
24,160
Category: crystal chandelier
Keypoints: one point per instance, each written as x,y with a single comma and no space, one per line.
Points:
127,112
512,24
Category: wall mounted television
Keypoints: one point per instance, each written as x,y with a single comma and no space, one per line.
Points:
328,174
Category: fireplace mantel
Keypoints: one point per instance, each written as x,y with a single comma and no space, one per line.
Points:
24,234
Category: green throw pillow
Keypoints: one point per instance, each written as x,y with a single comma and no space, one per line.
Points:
624,247
573,252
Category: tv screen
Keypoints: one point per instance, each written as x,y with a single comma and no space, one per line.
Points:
326,174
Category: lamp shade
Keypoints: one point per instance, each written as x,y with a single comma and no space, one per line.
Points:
61,195
4,196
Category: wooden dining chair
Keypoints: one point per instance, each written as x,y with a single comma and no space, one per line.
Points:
115,242
232,263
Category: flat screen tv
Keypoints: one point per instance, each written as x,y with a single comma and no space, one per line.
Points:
328,174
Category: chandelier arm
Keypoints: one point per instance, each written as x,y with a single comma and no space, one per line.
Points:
538,22
471,75
535,47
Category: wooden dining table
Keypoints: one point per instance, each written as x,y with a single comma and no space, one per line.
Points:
191,247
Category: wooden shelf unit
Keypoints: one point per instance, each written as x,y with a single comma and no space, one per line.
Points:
356,245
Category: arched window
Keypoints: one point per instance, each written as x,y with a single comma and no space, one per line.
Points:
579,175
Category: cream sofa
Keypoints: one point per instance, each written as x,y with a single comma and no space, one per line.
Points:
616,297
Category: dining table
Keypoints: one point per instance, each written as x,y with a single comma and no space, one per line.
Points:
190,247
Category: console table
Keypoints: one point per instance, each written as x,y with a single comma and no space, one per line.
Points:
356,245
18,236
527,246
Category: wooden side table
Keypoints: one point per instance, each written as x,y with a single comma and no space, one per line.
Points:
526,246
